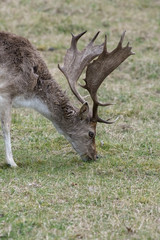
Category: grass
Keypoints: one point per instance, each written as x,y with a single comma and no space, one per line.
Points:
53,194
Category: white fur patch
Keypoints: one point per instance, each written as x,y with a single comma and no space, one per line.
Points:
2,84
4,77
34,103
1,99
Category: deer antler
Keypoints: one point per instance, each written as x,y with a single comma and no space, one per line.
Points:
97,71
75,61
100,68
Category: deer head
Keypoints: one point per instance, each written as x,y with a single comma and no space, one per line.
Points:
75,61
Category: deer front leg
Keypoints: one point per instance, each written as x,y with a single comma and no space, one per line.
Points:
5,116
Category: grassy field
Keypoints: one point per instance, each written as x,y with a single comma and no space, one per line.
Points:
53,194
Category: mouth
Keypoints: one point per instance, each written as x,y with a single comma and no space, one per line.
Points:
87,158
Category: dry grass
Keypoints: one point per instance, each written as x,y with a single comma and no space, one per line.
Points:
53,195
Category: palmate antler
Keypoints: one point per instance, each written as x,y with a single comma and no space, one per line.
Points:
75,62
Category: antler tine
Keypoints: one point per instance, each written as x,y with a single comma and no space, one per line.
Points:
75,39
100,120
121,39
105,44
127,46
94,38
72,86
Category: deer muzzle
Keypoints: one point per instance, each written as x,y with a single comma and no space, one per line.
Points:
89,157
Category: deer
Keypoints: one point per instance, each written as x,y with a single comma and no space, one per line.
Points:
25,81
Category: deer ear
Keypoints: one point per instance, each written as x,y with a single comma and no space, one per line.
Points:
84,110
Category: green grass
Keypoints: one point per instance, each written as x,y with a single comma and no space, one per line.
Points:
53,194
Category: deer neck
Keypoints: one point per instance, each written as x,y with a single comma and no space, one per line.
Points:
61,111
49,100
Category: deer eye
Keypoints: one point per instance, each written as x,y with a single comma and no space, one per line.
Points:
91,134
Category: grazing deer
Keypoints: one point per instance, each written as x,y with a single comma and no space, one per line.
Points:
25,81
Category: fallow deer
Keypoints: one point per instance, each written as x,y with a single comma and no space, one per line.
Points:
25,81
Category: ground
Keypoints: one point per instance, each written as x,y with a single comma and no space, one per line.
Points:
53,194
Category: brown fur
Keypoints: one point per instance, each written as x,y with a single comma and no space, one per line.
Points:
23,60
24,73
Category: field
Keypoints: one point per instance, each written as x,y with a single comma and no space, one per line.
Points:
53,194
